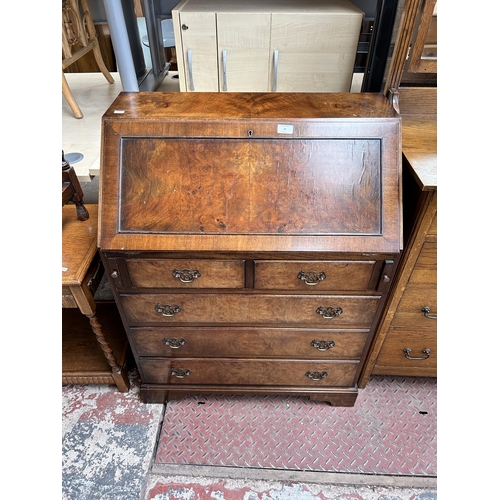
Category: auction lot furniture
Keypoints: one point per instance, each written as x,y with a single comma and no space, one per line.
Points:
406,340
266,45
250,239
79,37
94,344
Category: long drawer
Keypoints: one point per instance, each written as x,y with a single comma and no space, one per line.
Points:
408,350
248,372
320,275
325,311
223,342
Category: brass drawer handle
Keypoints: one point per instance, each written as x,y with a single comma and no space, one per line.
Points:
311,277
167,309
323,345
174,343
329,312
180,372
426,310
186,275
316,375
426,352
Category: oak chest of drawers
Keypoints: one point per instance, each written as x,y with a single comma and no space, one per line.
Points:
251,238
406,339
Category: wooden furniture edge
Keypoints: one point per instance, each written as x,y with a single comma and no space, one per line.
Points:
402,277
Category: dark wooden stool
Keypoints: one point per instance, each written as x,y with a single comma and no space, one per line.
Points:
72,190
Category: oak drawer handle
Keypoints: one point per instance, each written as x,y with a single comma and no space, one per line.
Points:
426,310
186,275
174,343
322,345
180,372
311,277
316,375
329,312
167,309
426,352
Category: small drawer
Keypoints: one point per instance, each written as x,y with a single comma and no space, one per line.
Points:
433,227
323,311
195,371
198,273
68,300
408,350
425,269
417,307
229,342
314,275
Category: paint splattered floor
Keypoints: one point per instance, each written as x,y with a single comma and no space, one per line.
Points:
117,448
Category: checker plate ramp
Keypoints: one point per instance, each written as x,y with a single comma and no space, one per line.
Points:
390,430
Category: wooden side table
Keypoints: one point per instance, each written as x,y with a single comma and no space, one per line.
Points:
94,351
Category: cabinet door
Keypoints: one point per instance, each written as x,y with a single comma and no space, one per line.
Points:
199,52
243,46
314,52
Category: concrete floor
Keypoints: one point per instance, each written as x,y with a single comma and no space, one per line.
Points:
109,452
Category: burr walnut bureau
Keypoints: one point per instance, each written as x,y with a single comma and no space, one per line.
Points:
250,238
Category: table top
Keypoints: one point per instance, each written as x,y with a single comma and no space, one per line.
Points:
419,137
79,243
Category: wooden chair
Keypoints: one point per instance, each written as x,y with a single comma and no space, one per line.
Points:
78,38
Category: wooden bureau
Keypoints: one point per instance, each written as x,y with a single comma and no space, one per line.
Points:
250,239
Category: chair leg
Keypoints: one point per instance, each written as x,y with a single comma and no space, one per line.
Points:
100,63
70,99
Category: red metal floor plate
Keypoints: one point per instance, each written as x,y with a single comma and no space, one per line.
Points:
390,430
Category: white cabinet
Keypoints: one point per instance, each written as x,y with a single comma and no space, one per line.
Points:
263,46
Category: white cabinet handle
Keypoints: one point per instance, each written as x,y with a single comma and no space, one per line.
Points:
190,69
224,73
275,77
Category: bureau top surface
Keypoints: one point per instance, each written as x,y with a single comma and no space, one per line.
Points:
263,6
251,172
420,149
246,106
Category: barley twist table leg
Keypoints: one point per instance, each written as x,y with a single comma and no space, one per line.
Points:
120,378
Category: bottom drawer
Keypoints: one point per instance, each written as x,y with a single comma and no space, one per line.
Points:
248,372
421,360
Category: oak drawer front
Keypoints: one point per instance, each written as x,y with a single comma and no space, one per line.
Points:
433,227
307,275
177,342
417,307
68,300
248,372
180,273
409,348
324,311
425,269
